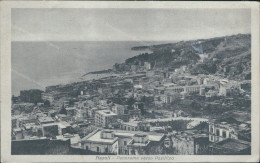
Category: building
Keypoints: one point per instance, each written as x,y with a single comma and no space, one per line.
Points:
103,102
146,143
147,65
221,131
211,93
101,141
183,144
223,90
64,127
139,106
32,95
189,143
201,145
192,89
48,97
40,146
175,89
134,113
45,120
178,113
74,139
230,147
134,67
92,112
104,118
169,98
71,111
50,130
118,109
202,91
15,122
139,145
135,126
123,139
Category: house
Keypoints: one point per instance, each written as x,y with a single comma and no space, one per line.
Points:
45,120
135,126
143,143
50,130
219,131
104,118
147,65
211,93
64,127
139,145
74,139
118,109
189,143
123,139
101,141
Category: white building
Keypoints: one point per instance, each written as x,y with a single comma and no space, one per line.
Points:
118,109
147,65
221,131
103,118
101,141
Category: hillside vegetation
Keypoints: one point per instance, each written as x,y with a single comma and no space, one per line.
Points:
228,56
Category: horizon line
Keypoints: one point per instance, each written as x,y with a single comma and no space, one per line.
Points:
130,40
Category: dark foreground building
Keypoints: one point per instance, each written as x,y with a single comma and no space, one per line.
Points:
40,147
230,147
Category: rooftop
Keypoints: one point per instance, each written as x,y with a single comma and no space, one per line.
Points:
45,119
234,144
96,137
106,113
140,135
151,135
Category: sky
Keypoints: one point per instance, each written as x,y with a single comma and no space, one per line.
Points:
127,24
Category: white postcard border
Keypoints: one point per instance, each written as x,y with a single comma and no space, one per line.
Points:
6,80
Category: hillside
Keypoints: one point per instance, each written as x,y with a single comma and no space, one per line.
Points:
228,56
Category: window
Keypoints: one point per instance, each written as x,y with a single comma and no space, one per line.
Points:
106,150
125,142
126,152
217,132
224,134
211,130
128,128
86,147
97,149
230,135
212,138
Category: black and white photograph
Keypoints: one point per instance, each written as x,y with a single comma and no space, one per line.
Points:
131,81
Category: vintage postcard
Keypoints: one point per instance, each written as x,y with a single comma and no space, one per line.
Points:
129,81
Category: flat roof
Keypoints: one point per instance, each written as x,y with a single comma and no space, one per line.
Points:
106,112
97,138
234,144
50,124
132,124
177,118
45,119
124,134
151,135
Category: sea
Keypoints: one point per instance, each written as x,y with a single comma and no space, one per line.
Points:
36,65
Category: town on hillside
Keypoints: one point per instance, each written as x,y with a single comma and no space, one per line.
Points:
184,98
